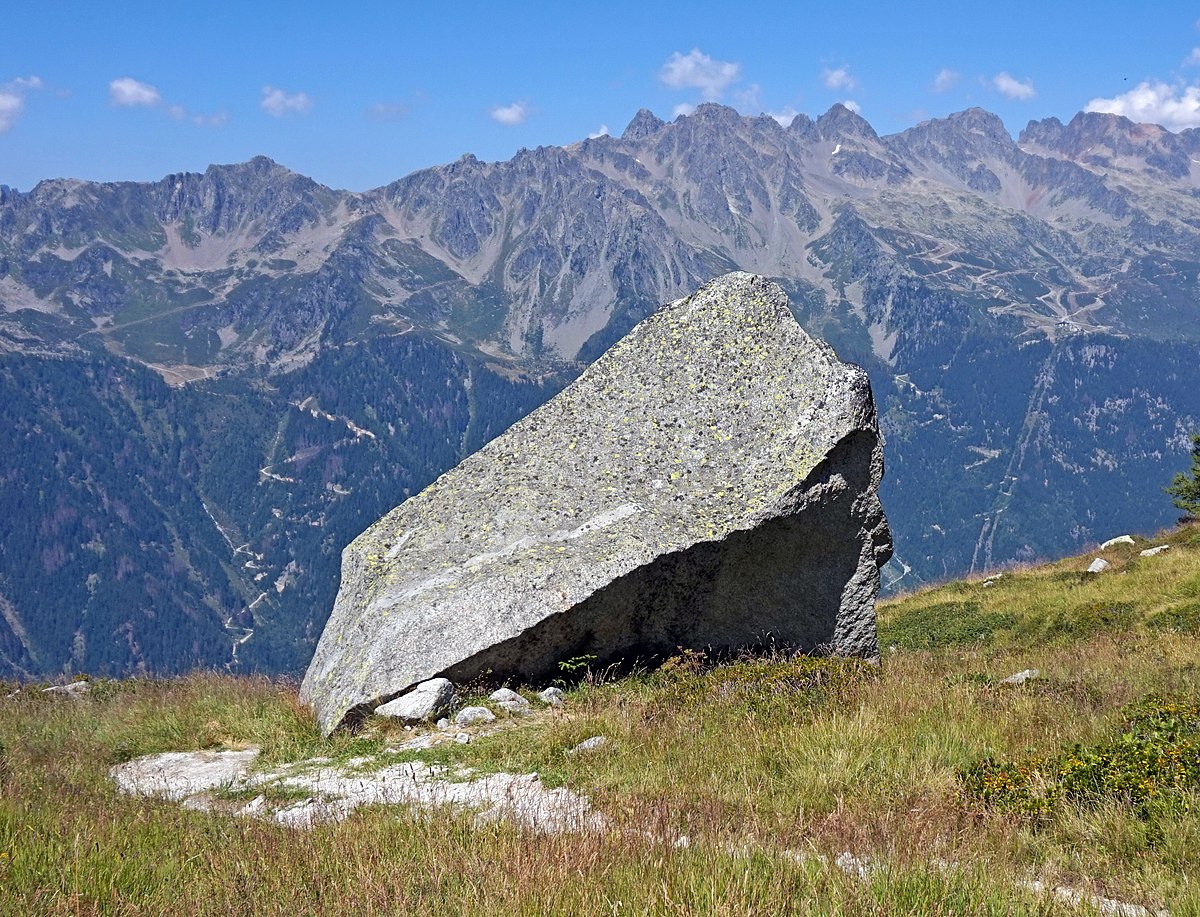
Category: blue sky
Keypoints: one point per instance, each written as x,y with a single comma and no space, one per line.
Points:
358,97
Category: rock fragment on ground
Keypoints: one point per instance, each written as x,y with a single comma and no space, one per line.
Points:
510,700
177,775
1113,542
1154,552
1019,678
589,745
711,480
1098,565
427,701
74,689
551,696
469,716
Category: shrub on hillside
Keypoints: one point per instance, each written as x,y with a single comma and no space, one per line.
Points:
1154,756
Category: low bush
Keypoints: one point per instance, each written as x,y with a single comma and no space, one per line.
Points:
1155,754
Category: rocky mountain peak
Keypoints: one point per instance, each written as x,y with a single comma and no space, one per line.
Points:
800,124
980,121
840,123
644,123
1105,140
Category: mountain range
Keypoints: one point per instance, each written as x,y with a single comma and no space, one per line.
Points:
215,381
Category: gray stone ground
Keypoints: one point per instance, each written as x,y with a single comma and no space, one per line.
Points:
206,780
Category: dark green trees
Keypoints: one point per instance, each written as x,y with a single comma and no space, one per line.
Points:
1185,487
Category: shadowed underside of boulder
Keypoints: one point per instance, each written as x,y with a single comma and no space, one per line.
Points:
711,482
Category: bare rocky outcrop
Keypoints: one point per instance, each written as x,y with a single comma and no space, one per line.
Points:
710,482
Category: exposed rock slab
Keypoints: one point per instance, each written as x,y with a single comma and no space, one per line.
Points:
710,482
177,775
193,778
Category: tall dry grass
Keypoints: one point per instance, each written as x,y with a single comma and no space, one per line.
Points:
769,767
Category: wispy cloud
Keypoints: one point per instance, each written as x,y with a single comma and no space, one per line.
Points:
946,79
696,70
1193,59
12,99
601,131
278,104
216,120
1012,88
683,108
1174,107
126,91
838,78
510,115
387,111
748,100
852,105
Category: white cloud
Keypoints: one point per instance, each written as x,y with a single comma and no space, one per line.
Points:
839,78
1012,88
852,105
128,91
683,108
1193,59
277,103
945,79
12,99
511,115
11,106
784,117
1175,108
601,131
696,70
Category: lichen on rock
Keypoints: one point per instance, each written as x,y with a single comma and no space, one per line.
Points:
711,481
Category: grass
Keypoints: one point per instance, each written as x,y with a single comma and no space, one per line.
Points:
770,768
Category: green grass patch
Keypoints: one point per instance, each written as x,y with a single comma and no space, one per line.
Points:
944,624
1183,618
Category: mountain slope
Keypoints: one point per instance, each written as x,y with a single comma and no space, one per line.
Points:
1027,311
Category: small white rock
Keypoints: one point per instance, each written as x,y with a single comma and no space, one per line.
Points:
255,806
470,715
428,700
1113,542
443,723
1154,552
848,863
1020,678
589,745
507,699
551,696
462,738
1099,565
74,689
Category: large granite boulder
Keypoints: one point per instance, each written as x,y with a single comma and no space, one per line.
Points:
711,481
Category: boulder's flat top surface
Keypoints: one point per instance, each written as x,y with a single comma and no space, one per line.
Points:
695,425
